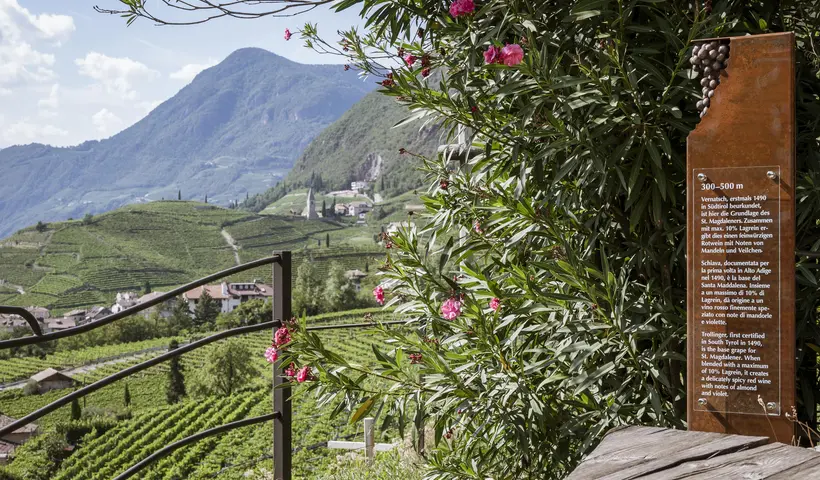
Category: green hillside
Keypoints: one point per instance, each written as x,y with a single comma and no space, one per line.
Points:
361,145
78,264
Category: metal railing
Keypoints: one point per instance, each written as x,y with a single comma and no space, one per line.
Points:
281,415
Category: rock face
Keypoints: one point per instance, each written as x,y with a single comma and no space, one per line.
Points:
234,130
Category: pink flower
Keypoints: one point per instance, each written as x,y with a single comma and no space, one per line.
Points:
492,55
451,308
271,354
303,374
460,8
281,337
495,304
287,34
512,55
410,60
290,371
378,292
477,227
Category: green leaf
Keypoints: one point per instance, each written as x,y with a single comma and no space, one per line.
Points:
363,409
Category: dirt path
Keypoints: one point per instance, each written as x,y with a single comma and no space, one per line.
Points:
229,239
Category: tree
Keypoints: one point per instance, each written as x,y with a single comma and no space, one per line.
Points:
41,227
206,310
87,219
180,319
206,198
251,312
338,293
126,396
179,194
327,239
76,411
324,209
175,389
227,368
306,290
581,130
146,287
366,266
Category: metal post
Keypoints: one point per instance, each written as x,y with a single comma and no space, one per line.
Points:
282,441
369,439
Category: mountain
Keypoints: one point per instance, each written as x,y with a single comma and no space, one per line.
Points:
362,145
236,129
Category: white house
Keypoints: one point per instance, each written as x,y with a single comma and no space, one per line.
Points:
355,209
124,300
358,186
230,295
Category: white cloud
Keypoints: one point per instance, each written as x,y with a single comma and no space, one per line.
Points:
25,131
106,122
52,101
188,72
4,92
20,62
116,74
46,25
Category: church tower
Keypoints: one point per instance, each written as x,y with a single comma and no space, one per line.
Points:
310,210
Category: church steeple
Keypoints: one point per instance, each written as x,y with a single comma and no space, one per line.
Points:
310,209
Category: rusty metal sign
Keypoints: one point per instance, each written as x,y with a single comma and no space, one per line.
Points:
740,240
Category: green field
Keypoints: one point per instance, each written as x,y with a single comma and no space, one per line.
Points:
153,424
168,243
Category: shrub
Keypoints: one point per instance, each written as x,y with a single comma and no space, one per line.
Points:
31,388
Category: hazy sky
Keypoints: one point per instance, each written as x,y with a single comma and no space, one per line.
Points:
69,74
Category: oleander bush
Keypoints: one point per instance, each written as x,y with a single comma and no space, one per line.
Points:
559,311
547,292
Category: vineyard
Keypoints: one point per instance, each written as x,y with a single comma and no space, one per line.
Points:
154,424
166,244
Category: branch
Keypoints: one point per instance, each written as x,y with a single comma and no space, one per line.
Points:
208,10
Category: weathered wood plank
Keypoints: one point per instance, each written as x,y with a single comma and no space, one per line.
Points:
636,451
757,463
805,470
649,453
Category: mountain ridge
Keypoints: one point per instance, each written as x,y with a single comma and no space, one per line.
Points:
235,129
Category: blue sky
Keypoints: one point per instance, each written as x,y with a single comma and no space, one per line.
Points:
69,74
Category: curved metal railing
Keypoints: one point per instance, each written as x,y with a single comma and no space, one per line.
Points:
281,415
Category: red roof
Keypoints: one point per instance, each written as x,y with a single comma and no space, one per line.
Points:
215,291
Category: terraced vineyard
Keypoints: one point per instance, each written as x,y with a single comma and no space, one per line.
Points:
153,424
168,243
17,368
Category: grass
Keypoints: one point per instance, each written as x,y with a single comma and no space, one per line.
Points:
166,244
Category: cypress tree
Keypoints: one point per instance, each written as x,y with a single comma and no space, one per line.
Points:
179,194
175,389
126,396
324,209
76,411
